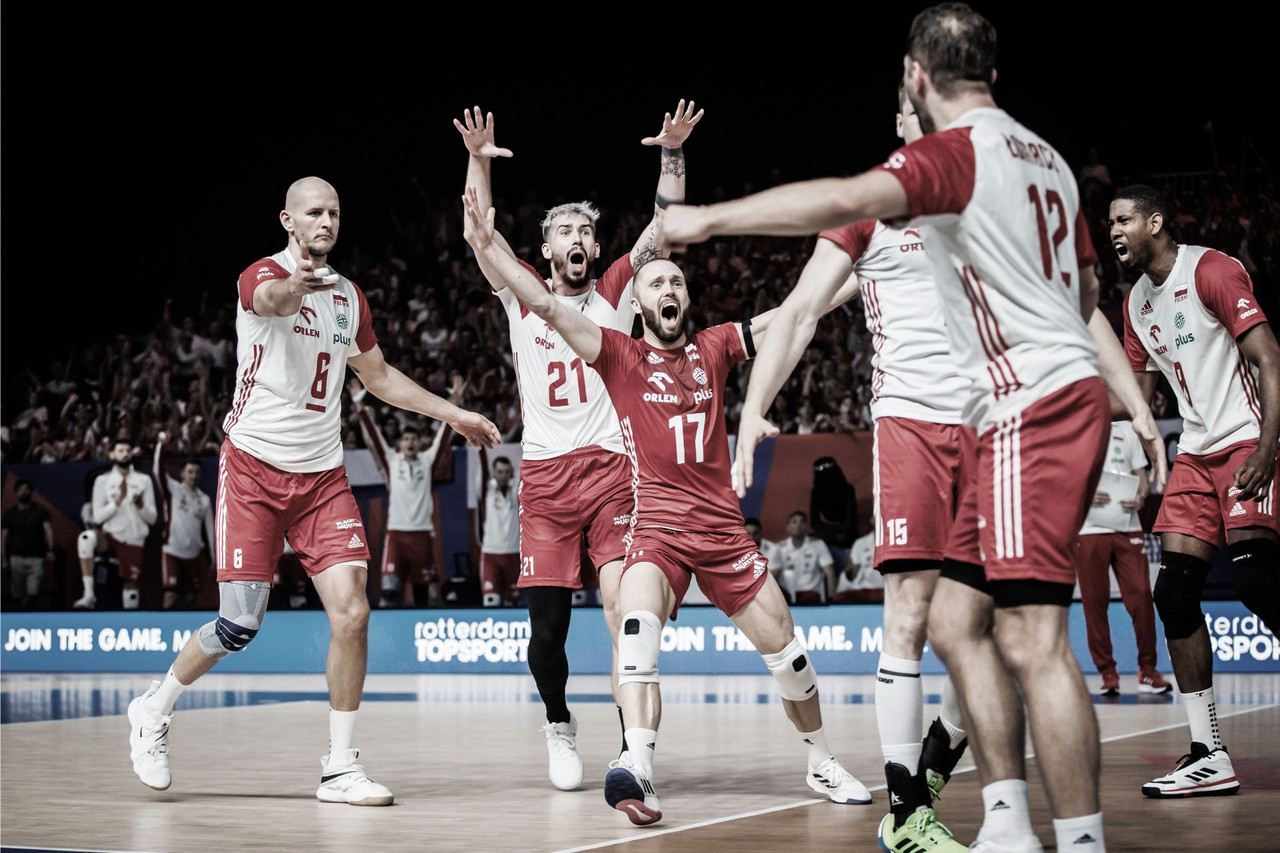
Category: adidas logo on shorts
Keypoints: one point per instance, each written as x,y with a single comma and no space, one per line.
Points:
355,542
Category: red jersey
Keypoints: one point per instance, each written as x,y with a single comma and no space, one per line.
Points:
673,426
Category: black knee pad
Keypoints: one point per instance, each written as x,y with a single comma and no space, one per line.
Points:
1255,567
1177,593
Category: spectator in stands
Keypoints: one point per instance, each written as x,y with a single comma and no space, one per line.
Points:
26,531
805,569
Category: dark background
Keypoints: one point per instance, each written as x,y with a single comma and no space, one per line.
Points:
147,155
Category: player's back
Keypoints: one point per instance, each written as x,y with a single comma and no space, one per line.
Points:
1012,241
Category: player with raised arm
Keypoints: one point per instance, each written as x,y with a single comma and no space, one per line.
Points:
575,478
685,518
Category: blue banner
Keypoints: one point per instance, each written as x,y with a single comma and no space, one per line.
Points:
841,639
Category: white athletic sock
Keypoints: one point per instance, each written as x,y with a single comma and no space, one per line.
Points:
816,742
952,718
342,729
88,585
1202,714
899,710
641,744
1006,815
1080,834
162,701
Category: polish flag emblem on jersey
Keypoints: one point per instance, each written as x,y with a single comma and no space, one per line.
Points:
1179,295
341,306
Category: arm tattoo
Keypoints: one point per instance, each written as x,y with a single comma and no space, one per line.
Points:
673,162
649,251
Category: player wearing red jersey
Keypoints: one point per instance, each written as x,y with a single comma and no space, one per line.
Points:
1193,316
667,388
575,479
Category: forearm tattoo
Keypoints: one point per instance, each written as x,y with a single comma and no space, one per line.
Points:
673,162
649,251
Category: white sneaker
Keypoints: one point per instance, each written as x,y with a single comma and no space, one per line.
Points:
87,601
629,790
344,781
149,742
1202,772
832,780
565,768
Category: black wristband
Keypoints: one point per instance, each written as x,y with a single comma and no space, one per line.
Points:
746,338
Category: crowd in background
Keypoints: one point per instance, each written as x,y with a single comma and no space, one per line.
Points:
436,319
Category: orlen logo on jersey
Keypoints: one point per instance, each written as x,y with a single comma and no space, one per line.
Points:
1146,309
896,160
306,314
660,379
911,247
1246,311
543,342
1154,332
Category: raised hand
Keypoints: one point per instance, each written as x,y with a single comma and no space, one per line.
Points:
675,130
477,225
477,133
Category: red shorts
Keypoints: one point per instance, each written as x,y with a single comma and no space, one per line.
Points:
258,505
180,573
410,554
919,473
1200,498
587,492
128,557
500,573
1036,476
729,567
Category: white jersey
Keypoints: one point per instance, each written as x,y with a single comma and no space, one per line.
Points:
913,373
1124,456
501,533
563,401
1187,329
287,409
187,513
805,563
126,522
410,497
1000,213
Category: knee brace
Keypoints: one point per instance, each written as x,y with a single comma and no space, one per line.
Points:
1177,593
241,608
796,679
86,544
1255,567
638,644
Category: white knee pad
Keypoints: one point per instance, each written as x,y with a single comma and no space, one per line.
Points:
86,544
638,644
796,679
242,605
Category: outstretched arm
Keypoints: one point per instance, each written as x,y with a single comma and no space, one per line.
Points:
388,383
827,281
477,133
791,210
503,270
675,130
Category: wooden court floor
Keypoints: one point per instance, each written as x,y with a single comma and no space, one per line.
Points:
466,759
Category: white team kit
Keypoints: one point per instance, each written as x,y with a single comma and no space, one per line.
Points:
1187,328
288,405
1006,255
913,372
563,400
411,507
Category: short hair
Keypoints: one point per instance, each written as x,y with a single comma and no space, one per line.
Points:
503,460
22,481
801,513
573,208
1148,200
956,45
752,520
